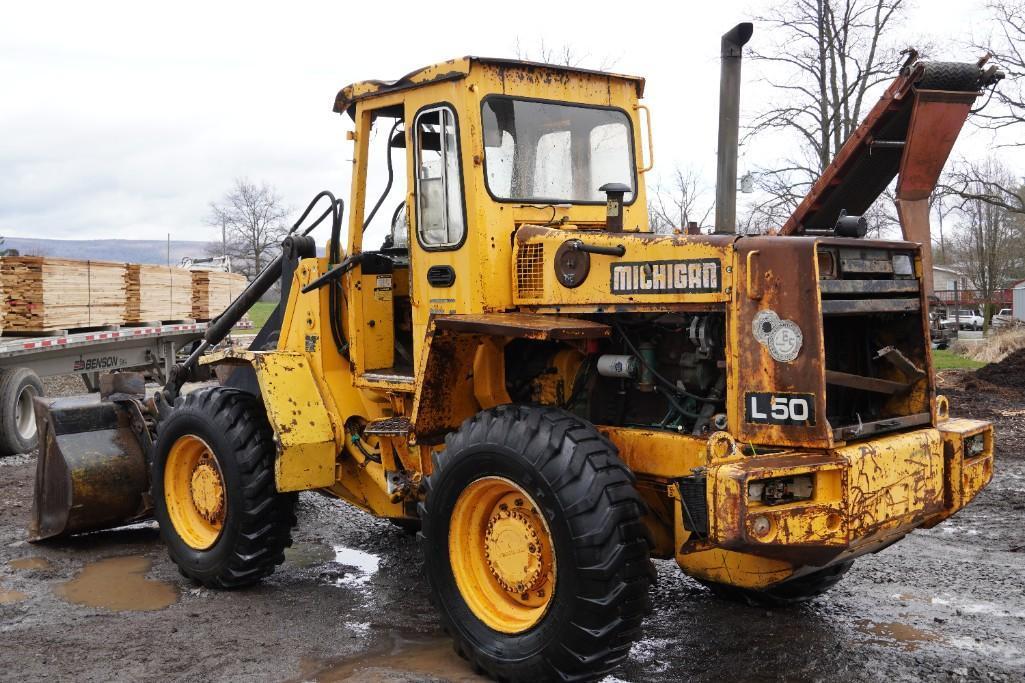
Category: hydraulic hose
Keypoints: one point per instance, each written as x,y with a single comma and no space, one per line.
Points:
221,325
659,377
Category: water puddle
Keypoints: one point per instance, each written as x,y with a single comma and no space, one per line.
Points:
405,658
8,597
119,584
908,637
24,563
363,566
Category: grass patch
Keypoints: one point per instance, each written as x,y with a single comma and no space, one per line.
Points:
259,313
944,359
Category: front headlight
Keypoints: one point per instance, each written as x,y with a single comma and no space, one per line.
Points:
781,489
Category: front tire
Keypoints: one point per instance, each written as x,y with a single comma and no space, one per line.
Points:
224,523
534,545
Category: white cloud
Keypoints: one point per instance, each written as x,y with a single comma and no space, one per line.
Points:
125,119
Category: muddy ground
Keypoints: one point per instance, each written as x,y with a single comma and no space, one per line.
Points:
349,604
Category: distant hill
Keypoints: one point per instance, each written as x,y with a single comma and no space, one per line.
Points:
129,251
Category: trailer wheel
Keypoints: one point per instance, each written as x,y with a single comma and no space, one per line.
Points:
18,388
224,523
534,546
791,592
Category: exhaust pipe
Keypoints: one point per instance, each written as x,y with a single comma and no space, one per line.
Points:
731,50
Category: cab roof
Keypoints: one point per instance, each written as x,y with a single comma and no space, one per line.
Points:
455,69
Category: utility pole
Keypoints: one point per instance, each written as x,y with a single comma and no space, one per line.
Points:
224,237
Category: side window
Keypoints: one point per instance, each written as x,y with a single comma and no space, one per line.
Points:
439,191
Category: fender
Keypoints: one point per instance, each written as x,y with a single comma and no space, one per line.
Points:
303,434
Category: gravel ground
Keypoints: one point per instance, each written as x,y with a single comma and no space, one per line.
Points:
350,602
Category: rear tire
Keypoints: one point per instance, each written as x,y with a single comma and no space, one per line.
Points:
566,487
791,592
18,388
224,523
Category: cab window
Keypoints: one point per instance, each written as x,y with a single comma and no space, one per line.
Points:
440,221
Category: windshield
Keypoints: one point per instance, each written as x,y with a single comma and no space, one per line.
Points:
540,151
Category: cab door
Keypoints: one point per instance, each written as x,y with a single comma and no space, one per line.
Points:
438,218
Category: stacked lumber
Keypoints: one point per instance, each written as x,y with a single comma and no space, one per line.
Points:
157,293
43,294
212,291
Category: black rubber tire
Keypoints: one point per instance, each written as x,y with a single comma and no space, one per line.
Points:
258,520
18,385
601,544
791,592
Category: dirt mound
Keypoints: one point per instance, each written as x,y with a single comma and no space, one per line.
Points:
1010,372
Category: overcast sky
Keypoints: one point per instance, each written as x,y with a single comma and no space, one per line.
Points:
126,119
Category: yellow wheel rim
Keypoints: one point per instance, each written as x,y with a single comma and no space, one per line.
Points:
500,550
194,492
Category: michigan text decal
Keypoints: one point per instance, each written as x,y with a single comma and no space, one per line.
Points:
688,276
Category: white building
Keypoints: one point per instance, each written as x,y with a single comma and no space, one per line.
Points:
943,279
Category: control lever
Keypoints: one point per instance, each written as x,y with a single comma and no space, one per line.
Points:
347,264
617,250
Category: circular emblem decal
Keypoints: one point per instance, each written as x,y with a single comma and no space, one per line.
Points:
785,341
763,325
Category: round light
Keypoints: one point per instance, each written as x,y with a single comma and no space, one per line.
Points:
761,525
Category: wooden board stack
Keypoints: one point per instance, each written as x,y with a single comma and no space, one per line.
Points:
43,294
157,293
212,291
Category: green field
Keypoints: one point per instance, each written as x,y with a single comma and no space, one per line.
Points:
259,313
945,359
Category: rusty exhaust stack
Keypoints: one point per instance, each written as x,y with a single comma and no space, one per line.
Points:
731,50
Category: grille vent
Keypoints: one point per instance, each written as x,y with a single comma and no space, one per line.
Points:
530,264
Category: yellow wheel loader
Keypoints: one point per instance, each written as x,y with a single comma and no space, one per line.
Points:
551,392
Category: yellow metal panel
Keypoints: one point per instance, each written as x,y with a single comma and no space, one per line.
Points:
653,269
893,481
378,329
737,569
658,453
305,440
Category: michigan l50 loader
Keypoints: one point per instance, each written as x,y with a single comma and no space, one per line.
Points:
551,393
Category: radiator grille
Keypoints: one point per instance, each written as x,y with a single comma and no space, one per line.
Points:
530,263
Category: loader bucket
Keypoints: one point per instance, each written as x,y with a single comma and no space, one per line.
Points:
91,472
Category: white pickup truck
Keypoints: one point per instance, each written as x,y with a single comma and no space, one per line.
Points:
1005,318
963,319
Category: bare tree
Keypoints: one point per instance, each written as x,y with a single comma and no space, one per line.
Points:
988,241
1007,45
826,58
252,218
563,55
682,200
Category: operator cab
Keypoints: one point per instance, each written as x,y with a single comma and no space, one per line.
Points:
463,154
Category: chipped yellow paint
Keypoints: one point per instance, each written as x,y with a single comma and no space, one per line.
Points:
866,494
302,426
658,453
652,253
736,569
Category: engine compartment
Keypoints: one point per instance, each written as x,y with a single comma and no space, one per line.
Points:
657,371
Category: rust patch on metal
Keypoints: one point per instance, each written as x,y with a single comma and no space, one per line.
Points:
524,325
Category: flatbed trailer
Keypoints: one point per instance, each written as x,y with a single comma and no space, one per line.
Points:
24,360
